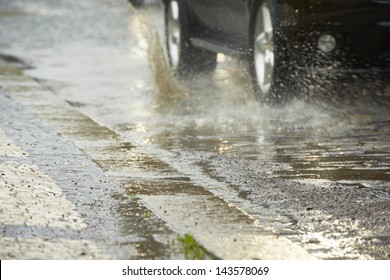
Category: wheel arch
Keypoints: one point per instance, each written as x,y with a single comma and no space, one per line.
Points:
191,59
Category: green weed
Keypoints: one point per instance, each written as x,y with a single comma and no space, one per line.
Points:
189,247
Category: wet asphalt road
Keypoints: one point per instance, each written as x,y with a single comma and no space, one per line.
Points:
315,172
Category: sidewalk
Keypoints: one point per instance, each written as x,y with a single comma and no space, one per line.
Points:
37,220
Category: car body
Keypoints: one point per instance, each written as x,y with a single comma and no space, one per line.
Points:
303,33
360,25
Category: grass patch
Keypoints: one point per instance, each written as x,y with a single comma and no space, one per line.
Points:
189,247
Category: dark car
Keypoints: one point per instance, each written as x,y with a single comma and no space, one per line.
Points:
277,37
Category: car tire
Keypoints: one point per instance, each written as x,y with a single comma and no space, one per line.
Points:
267,57
184,58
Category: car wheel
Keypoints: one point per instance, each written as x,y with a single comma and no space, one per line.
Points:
267,63
184,58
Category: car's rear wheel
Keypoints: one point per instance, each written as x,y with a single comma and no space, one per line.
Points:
267,60
184,58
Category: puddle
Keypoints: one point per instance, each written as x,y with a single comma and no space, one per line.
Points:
152,237
168,187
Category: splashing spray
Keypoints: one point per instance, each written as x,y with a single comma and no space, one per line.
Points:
166,85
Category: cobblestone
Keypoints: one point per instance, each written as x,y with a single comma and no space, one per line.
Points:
40,248
29,198
38,218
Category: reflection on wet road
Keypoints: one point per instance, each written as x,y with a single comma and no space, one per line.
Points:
334,147
316,171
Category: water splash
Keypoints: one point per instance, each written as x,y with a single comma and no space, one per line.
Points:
166,85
